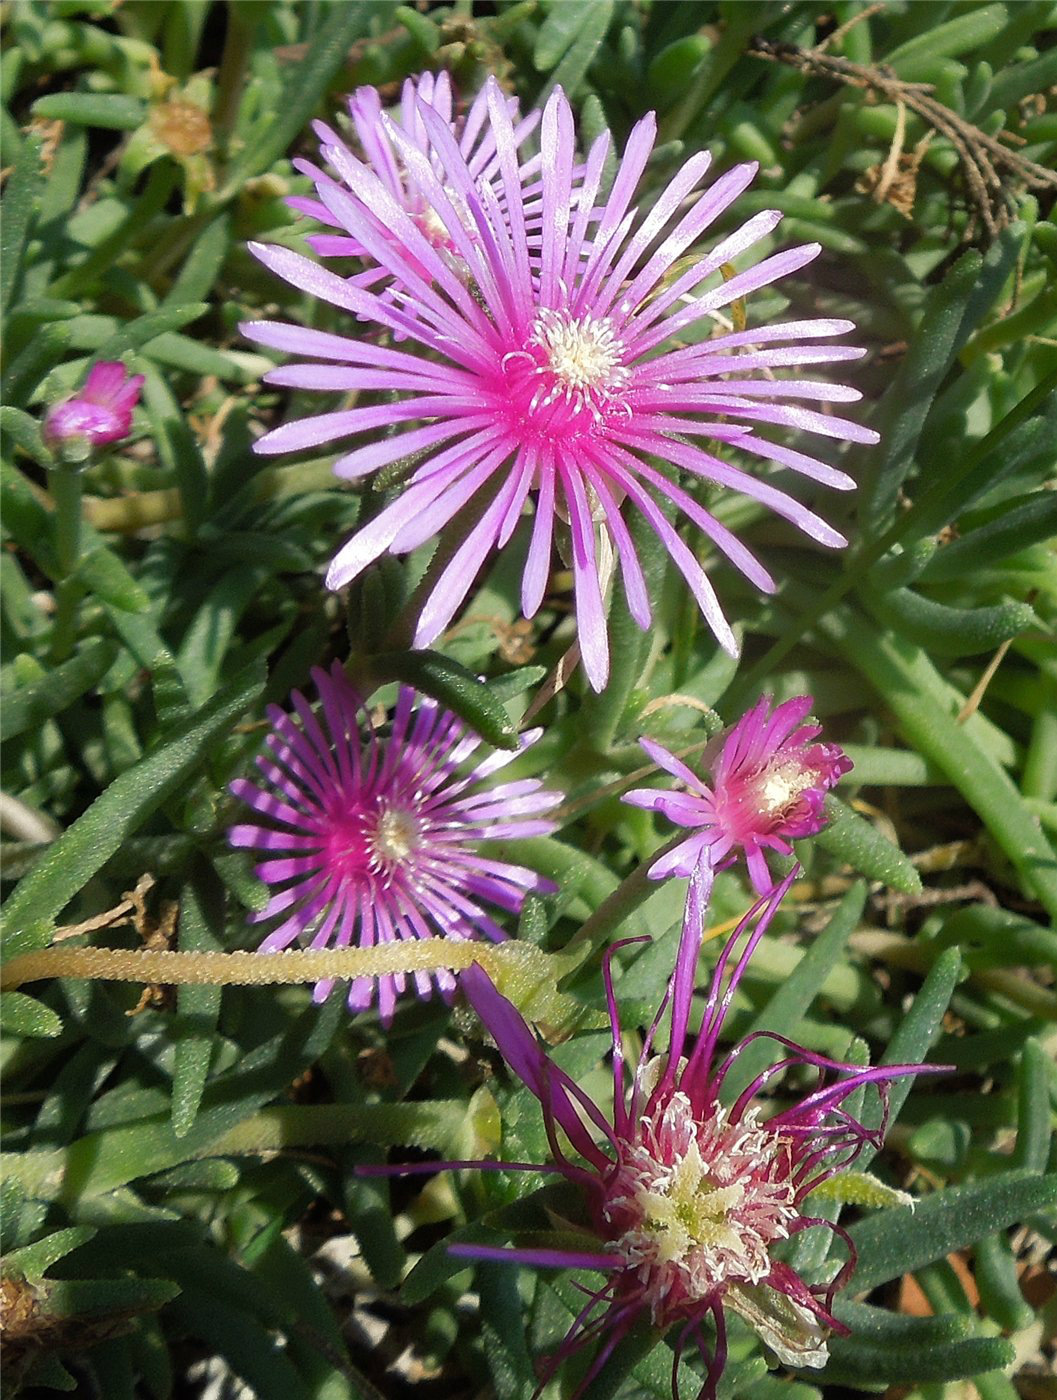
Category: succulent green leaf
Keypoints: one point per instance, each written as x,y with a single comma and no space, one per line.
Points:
910,685
24,1015
19,202
113,111
916,60
902,1240
134,335
853,839
129,800
860,1189
30,705
916,1357
201,916
1016,528
33,1261
568,50
946,631
455,687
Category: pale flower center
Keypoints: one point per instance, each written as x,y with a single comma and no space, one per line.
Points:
782,786
682,1209
582,354
396,835
364,844
694,1204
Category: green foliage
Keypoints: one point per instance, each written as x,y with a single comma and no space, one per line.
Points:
182,1181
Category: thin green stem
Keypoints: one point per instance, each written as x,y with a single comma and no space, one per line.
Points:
66,490
234,62
242,969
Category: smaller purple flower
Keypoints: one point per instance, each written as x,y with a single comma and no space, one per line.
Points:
98,414
687,1189
372,838
769,783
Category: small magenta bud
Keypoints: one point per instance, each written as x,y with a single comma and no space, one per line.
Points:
98,414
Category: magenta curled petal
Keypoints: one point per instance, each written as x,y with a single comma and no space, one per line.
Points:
769,782
370,837
534,358
687,1195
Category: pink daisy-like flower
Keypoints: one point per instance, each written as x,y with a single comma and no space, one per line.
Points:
477,148
372,838
769,781
549,364
687,1196
98,414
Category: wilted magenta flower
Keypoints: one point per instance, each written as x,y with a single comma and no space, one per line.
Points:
374,838
687,1194
543,363
477,148
769,782
98,414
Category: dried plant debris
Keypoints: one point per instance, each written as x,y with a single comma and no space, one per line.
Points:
991,170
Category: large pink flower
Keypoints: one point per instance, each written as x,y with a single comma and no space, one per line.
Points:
372,838
769,781
558,365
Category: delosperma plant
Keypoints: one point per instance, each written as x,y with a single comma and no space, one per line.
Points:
527,823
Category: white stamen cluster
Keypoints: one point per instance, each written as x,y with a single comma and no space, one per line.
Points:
395,836
783,784
583,357
696,1205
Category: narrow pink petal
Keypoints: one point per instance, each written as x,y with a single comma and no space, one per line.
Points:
457,579
537,564
376,536
590,614
461,490
630,568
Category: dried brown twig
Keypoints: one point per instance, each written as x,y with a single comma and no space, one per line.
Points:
982,157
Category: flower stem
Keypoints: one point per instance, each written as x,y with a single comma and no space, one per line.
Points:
243,969
234,62
66,492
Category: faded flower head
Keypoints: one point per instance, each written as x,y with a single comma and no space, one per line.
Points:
373,837
769,782
550,356
689,1189
98,414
